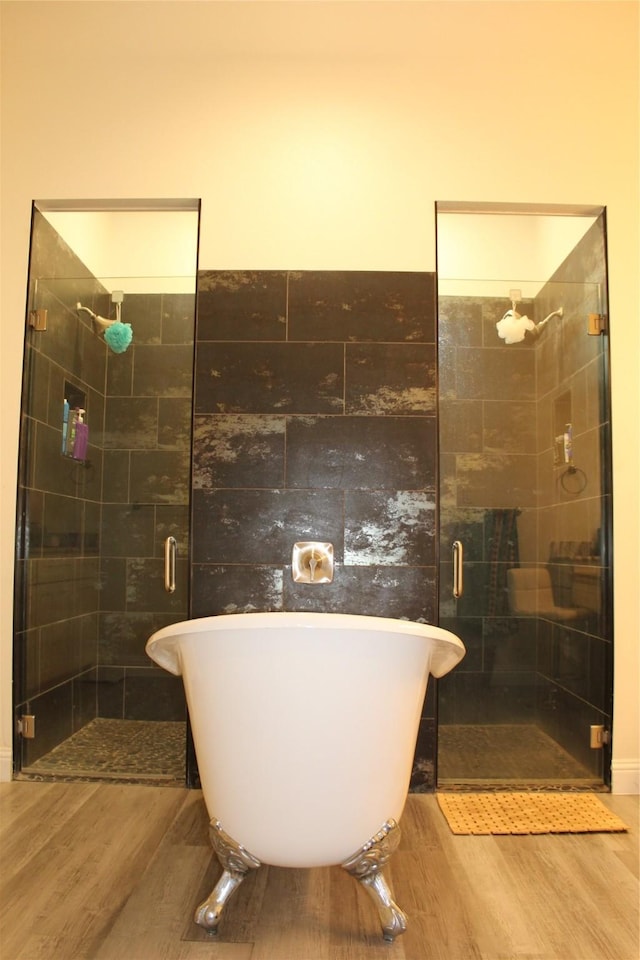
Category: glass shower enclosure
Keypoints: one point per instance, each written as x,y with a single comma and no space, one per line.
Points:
525,498
103,494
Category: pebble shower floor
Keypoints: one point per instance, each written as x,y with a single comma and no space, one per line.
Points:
141,751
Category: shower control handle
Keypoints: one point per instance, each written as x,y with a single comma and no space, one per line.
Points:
170,547
458,575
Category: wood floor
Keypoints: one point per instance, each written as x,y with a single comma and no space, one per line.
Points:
114,872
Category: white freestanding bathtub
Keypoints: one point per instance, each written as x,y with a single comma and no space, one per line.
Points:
304,727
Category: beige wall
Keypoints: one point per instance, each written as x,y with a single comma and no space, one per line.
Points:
319,135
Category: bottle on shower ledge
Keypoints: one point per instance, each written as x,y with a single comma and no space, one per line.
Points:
65,424
81,438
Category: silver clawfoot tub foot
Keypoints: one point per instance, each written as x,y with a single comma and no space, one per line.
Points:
236,863
366,866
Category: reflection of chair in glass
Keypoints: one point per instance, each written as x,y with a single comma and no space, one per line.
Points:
531,595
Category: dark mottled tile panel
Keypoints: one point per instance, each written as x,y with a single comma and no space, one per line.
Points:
261,526
151,694
174,423
36,372
335,305
85,700
237,588
509,644
238,451
178,317
91,528
407,593
27,670
51,590
95,417
459,321
33,509
495,480
131,423
86,579
500,374
165,371
390,378
389,529
599,673
113,583
361,452
144,312
110,692
123,637
59,652
461,426
57,381
159,476
120,373
242,305
145,586
172,521
269,378
509,427
116,476
62,525
89,626
128,530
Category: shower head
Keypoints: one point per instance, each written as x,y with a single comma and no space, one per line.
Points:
99,323
80,309
539,327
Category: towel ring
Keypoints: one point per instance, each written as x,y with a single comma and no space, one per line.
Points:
580,483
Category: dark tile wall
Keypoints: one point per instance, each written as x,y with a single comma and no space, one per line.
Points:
59,503
498,407
147,449
315,419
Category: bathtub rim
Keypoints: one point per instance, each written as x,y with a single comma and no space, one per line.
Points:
163,646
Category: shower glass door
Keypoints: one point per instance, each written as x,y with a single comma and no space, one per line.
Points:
94,517
525,488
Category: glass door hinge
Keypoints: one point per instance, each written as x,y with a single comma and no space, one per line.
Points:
598,736
597,324
38,320
27,726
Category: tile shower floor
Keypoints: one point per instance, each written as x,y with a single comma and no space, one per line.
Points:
135,751
522,756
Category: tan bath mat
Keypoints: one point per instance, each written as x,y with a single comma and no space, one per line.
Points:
485,813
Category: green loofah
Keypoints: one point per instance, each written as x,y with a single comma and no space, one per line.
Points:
118,336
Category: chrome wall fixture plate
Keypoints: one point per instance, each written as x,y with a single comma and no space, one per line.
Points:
312,562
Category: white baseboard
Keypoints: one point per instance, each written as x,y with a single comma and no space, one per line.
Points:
6,765
625,776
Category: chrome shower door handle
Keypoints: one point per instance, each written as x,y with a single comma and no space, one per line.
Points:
170,547
458,575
